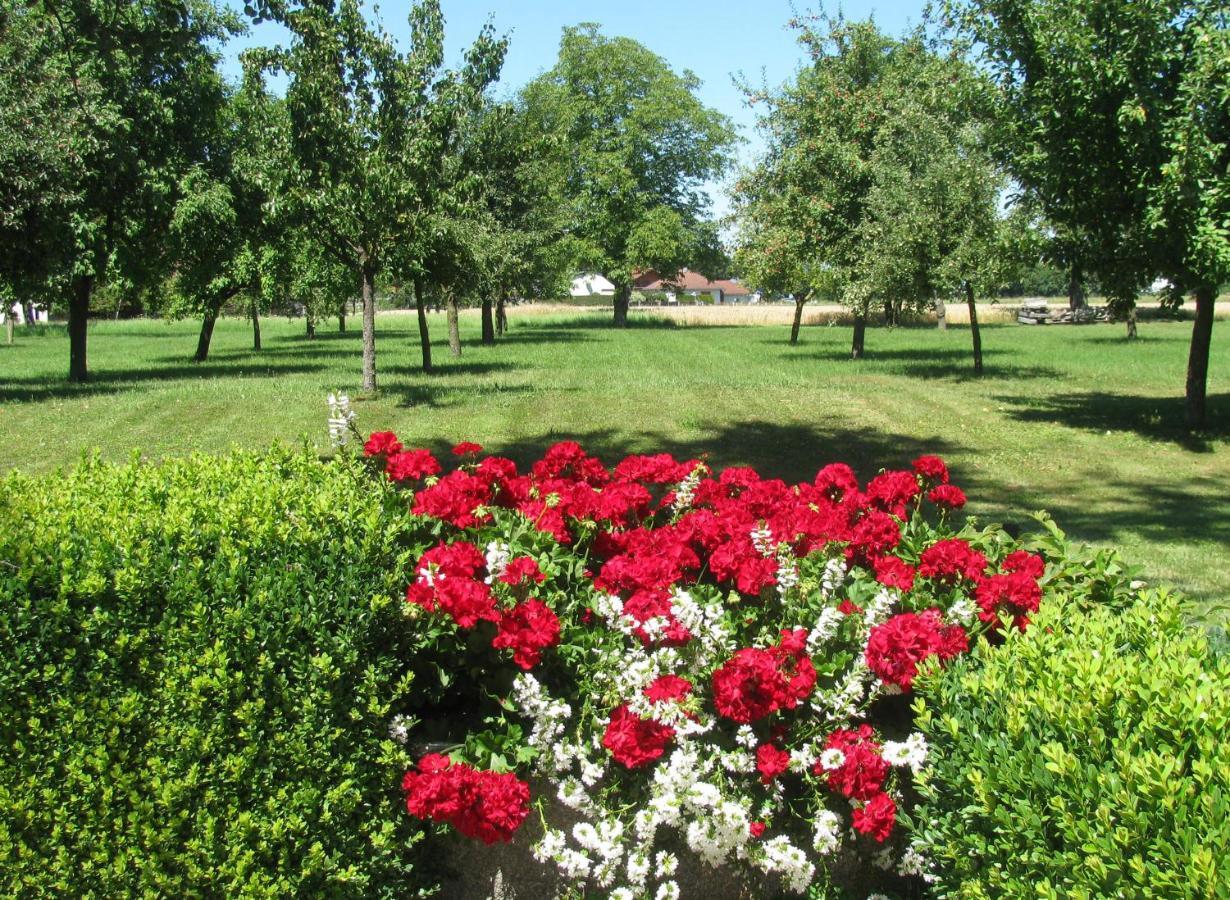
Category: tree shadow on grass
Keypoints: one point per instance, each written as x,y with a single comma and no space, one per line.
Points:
932,364
1155,418
111,381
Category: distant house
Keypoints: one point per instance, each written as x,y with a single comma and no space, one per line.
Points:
590,284
692,284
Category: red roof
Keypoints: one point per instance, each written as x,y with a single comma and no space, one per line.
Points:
686,280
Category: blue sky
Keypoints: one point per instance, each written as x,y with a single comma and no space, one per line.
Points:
716,39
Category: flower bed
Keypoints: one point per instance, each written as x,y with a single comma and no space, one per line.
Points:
706,662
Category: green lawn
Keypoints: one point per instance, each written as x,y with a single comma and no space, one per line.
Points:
1073,420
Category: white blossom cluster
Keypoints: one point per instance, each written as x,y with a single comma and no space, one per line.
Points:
497,555
686,492
833,577
341,419
550,717
911,752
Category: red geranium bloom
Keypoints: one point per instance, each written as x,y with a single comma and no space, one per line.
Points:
455,498
836,480
755,829
951,559
521,569
848,607
633,741
485,805
947,496
666,688
466,448
931,468
410,465
381,443
893,572
876,817
1016,593
861,775
895,648
771,761
527,629
1023,561
892,491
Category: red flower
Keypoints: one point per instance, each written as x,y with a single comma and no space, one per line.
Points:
863,771
521,569
895,648
755,829
892,491
666,688
410,465
848,607
771,761
633,741
836,480
951,559
381,443
754,683
485,805
466,448
466,600
931,468
527,629
876,532
1016,593
876,817
947,496
1023,561
454,498
893,572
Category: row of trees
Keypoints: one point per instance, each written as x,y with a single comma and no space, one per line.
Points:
128,160
900,173
1090,134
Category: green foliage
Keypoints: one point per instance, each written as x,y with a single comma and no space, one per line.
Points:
1085,758
202,659
641,148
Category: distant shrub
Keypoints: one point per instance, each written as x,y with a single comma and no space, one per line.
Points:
201,660
1086,757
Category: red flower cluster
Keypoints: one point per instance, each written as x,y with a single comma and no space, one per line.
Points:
754,682
863,771
633,741
485,805
771,761
527,629
876,817
951,560
1015,592
381,443
410,465
947,496
896,647
446,581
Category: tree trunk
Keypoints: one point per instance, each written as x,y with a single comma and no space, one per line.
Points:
798,318
420,304
488,322
1076,288
207,334
974,331
8,327
256,326
501,317
941,315
1131,321
341,318
860,331
623,293
78,316
311,324
368,273
1198,356
454,328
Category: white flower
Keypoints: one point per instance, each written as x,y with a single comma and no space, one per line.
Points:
911,752
665,864
498,555
912,863
551,845
745,736
399,728
762,540
622,893
832,759
638,868
573,864
826,626
827,836
341,419
667,891
962,612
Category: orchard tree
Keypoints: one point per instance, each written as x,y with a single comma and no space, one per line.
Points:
640,148
1114,116
874,170
138,89
371,129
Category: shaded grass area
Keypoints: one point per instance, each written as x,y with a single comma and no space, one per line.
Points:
1073,420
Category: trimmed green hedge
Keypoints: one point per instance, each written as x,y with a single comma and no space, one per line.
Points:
1085,758
200,663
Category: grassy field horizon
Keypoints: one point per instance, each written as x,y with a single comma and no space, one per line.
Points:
1074,420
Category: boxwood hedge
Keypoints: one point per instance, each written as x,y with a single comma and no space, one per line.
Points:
201,659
